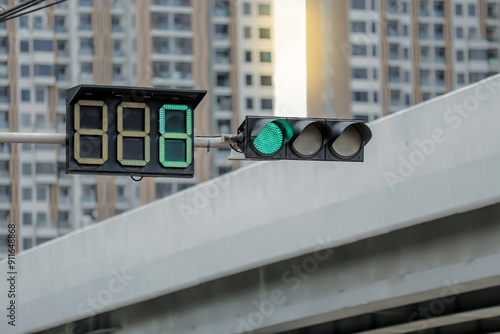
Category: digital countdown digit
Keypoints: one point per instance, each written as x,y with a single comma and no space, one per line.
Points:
130,131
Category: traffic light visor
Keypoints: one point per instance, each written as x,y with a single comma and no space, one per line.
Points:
349,138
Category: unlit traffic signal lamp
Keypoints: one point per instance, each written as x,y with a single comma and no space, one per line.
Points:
293,138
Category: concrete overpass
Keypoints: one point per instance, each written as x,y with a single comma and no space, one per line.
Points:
405,242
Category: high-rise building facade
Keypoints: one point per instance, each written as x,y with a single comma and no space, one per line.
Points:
369,58
223,46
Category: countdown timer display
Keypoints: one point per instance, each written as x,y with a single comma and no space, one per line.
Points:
132,131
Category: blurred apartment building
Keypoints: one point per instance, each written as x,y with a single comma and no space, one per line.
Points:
369,58
225,47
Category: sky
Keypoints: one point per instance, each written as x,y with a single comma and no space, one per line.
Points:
290,77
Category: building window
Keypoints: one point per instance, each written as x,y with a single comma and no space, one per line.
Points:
359,73
41,193
40,95
374,50
221,9
26,169
477,54
25,120
61,48
439,8
246,9
266,104
59,24
43,45
25,71
438,31
224,170
264,9
27,218
458,10
86,68
27,194
44,70
460,78
440,54
23,22
224,102
407,99
440,78
472,33
375,74
361,117
358,4
222,80
426,96
248,56
247,32
117,73
221,31
265,57
471,9
46,168
265,33
25,95
4,72
38,23
160,45
375,97
477,76
223,56
87,46
360,96
459,32
163,189
359,50
460,55
85,22
25,46
395,97
358,26
266,80
405,30
248,79
27,243
249,103
61,97
42,240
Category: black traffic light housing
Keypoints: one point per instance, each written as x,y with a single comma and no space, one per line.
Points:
296,138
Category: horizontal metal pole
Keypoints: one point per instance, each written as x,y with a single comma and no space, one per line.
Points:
60,138
211,142
37,138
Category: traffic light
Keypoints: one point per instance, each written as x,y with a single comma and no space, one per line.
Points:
293,138
130,130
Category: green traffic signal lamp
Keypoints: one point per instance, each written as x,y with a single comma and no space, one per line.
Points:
292,138
265,137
